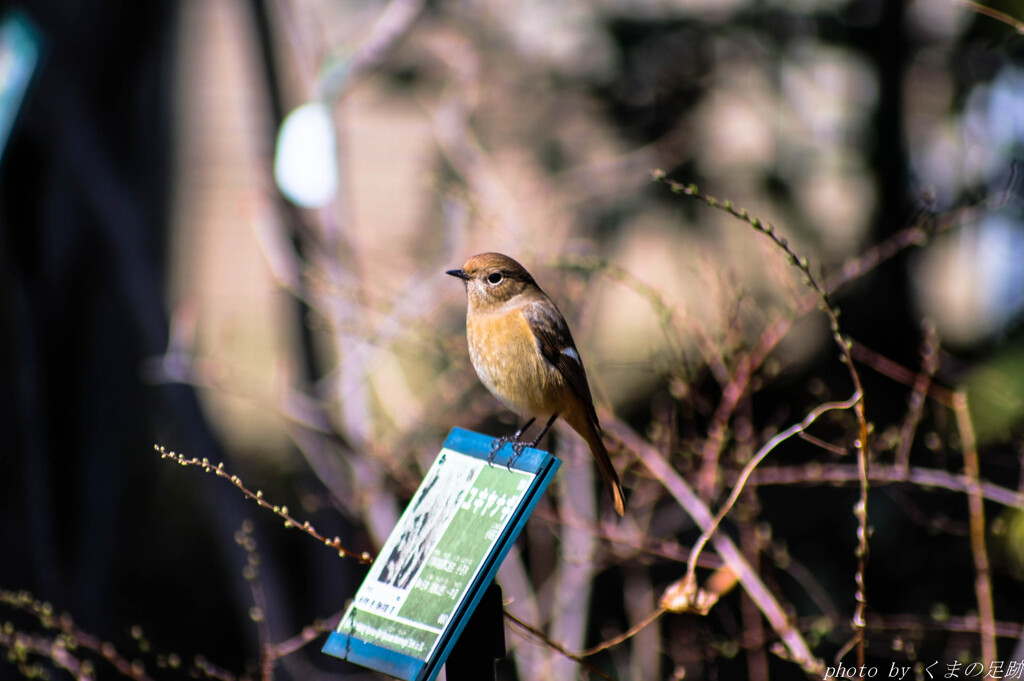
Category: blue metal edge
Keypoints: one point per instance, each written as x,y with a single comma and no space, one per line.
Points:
479,446
536,461
358,651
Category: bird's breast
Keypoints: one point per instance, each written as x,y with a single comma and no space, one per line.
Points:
504,353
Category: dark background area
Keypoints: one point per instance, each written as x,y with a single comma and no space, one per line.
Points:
92,521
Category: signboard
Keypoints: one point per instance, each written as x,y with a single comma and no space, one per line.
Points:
439,559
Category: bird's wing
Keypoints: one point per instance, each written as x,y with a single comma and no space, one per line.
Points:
556,344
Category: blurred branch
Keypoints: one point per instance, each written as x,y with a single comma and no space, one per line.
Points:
710,463
923,381
270,652
554,645
976,509
20,646
798,650
915,235
899,373
1016,24
257,496
259,612
308,635
905,623
671,320
393,24
459,143
59,648
748,469
752,543
574,578
513,577
924,477
778,552
630,537
305,418
626,635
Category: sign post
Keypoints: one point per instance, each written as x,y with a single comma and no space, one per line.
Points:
440,559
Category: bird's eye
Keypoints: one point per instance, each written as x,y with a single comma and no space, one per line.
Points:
494,278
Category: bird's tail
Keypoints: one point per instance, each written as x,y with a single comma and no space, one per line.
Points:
589,432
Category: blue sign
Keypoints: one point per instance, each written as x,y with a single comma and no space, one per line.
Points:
440,558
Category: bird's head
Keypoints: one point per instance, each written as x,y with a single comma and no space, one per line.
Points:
492,279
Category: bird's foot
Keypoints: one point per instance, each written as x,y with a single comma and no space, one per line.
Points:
499,444
517,446
517,451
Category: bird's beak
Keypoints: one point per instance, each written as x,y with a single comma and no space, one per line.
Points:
461,274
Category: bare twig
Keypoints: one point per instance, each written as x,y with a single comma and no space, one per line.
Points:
626,635
910,624
899,373
392,25
976,508
20,646
257,496
923,477
861,443
929,365
1016,24
307,635
748,469
258,613
65,625
797,649
753,624
554,645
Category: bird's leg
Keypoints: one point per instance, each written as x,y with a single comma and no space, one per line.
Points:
505,439
518,447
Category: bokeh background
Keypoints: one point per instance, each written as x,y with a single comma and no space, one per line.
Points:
157,287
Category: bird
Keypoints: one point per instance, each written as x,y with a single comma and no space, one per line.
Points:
523,352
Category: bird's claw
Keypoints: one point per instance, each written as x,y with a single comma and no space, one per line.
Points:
499,444
517,451
496,447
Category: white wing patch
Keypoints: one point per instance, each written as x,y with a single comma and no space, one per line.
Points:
571,352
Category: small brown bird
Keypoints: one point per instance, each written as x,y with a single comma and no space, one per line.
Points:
523,352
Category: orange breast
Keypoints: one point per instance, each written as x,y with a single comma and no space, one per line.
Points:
508,361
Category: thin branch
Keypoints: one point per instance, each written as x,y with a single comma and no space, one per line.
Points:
929,365
748,469
752,542
258,613
976,509
861,443
910,624
20,646
626,635
391,27
307,635
899,373
923,477
1016,24
797,649
257,496
63,623
554,645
